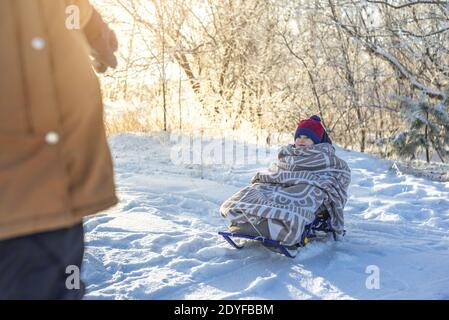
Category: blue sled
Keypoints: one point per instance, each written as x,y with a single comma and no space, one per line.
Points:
319,224
273,243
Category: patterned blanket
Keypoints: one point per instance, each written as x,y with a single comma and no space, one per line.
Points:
288,194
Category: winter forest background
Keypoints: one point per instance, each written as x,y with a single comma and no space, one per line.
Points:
377,72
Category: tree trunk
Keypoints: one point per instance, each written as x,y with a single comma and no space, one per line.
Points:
426,135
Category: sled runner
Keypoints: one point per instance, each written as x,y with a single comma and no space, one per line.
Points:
321,225
268,242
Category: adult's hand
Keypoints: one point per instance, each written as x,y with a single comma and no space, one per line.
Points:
103,43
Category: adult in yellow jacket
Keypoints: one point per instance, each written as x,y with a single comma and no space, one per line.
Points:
55,164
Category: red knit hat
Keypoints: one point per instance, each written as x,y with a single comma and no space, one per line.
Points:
311,128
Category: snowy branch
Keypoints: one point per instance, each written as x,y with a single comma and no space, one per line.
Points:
385,55
424,35
414,3
406,73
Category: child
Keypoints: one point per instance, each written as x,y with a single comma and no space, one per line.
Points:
309,132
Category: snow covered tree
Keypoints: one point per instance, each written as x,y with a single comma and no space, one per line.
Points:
427,127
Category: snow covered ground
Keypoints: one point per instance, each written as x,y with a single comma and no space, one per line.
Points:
161,241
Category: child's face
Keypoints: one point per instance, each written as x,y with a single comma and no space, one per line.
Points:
303,141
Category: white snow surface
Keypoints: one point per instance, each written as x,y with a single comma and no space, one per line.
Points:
161,241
